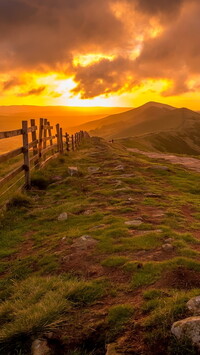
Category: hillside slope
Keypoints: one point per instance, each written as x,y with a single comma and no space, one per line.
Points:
154,126
104,259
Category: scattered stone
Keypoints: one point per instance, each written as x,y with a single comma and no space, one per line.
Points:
127,176
151,231
63,216
119,168
88,212
159,215
167,247
73,170
194,305
64,238
84,242
93,169
134,222
40,347
130,199
188,328
159,167
169,240
118,183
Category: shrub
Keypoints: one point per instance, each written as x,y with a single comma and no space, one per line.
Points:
19,200
39,180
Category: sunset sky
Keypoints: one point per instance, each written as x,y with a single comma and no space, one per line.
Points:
100,52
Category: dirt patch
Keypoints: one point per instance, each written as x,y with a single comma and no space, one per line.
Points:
180,278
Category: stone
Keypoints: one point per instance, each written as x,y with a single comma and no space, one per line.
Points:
40,347
84,242
119,168
56,178
194,305
169,240
167,247
124,176
93,169
63,216
159,215
188,328
73,170
118,183
134,222
88,212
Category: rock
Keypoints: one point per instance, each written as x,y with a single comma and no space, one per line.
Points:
188,328
119,168
88,212
134,222
159,167
127,176
40,347
84,242
63,216
194,305
118,183
93,169
167,247
73,170
159,215
169,240
130,199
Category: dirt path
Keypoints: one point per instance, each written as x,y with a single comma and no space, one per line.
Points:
187,162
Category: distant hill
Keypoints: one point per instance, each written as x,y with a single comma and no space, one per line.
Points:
154,126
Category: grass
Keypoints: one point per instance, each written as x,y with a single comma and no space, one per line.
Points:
47,282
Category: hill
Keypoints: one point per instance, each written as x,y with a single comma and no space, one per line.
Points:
154,126
104,259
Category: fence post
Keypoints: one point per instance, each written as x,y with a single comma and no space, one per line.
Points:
45,136
72,142
26,154
34,139
58,136
40,139
61,140
67,141
50,135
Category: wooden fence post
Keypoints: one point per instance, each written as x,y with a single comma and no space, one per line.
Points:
34,140
26,155
45,136
40,139
67,141
61,141
51,140
72,142
58,136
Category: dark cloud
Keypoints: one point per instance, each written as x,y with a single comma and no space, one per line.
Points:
36,92
40,35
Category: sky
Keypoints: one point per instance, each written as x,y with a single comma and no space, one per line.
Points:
100,52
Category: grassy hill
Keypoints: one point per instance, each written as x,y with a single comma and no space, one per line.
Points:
154,126
100,274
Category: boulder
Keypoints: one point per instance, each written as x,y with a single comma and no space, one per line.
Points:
167,247
188,328
85,242
63,216
194,305
73,170
40,347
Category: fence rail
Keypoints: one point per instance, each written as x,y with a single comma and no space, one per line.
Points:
39,145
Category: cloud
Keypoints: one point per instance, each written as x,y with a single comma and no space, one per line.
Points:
36,91
45,36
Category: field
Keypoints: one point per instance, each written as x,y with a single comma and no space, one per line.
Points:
100,273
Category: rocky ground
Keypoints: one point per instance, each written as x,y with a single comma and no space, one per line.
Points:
101,257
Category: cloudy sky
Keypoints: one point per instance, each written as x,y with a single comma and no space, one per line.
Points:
100,52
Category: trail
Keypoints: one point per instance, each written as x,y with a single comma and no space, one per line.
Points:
187,162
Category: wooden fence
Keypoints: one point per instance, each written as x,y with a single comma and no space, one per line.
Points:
39,145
